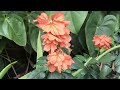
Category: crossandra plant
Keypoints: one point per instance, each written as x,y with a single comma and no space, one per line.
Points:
67,44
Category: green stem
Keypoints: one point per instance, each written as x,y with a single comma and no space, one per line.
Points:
88,61
75,73
106,52
97,58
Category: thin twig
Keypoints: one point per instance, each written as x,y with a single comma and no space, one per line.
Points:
27,67
8,75
10,62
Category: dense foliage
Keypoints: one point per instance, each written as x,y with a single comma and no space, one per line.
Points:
93,51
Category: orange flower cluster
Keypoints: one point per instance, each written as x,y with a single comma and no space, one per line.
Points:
59,60
102,41
56,36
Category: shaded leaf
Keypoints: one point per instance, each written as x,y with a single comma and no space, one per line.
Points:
78,63
107,58
67,76
41,60
55,75
35,74
105,71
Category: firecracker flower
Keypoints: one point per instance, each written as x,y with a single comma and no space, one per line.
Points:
102,41
59,61
54,23
51,42
56,37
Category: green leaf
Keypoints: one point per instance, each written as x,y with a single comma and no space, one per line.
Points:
78,63
76,18
81,58
66,50
117,64
50,12
81,74
107,26
39,47
95,71
117,14
55,75
35,74
105,71
67,76
28,46
33,35
41,60
107,58
90,29
12,27
82,39
117,61
116,38
3,43
33,29
5,70
117,69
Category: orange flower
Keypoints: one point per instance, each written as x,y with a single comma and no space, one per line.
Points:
56,37
54,24
59,61
50,42
102,41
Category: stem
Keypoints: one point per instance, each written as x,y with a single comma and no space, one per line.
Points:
79,70
88,61
75,73
97,58
106,52
10,62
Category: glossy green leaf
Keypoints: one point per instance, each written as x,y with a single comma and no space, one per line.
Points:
76,18
107,26
12,27
35,74
105,71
